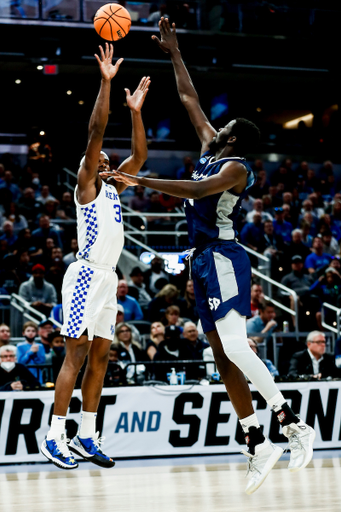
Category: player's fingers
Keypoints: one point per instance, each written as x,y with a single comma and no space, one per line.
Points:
127,93
106,50
101,52
167,26
111,51
98,59
157,40
173,28
118,63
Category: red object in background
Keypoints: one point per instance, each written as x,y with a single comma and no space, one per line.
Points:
50,69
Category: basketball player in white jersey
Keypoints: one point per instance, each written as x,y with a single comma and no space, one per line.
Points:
221,270
89,286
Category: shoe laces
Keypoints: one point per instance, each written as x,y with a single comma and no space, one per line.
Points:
251,463
295,439
63,448
98,441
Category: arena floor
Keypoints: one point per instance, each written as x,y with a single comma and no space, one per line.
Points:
203,484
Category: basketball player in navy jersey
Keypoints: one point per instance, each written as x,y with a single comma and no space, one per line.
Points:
221,270
90,283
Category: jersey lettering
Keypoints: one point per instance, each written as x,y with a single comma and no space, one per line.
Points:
213,303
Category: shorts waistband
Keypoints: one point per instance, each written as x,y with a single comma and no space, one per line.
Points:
98,266
201,248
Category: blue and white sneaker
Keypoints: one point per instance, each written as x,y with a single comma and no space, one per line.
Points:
90,450
57,451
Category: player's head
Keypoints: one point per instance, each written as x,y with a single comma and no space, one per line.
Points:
103,163
240,134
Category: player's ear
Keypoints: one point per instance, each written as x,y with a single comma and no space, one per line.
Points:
232,140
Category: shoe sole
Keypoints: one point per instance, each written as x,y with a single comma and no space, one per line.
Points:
309,454
277,454
55,461
92,458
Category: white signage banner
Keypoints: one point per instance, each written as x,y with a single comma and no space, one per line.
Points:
165,420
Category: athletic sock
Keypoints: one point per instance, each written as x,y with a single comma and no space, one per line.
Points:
57,427
284,413
252,431
88,424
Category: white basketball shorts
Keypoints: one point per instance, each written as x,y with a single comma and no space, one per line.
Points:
89,301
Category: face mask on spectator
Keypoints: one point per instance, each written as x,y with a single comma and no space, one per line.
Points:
58,350
8,365
36,181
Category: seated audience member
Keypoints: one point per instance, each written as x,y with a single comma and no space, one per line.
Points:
328,289
194,344
120,318
66,209
132,309
298,279
325,224
314,362
8,234
317,259
281,226
115,374
173,348
28,205
269,364
136,281
172,317
14,376
40,294
139,202
251,234
190,310
261,187
18,221
45,195
71,256
45,231
5,334
296,246
129,350
263,323
330,244
307,237
154,274
31,352
157,334
258,208
167,296
257,296
271,243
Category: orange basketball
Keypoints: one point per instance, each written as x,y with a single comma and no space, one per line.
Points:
112,22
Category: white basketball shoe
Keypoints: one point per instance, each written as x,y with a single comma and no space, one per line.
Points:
260,464
301,438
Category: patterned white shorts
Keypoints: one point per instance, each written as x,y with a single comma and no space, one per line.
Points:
89,301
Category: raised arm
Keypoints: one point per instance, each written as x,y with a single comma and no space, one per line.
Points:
188,94
233,175
139,151
88,171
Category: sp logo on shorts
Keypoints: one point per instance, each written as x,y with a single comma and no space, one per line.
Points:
112,330
213,303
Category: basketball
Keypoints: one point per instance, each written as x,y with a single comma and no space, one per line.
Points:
112,22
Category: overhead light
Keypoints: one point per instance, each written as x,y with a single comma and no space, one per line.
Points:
40,68
69,92
259,109
307,119
81,102
42,132
18,81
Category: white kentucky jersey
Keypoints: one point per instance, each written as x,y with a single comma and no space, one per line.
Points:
100,228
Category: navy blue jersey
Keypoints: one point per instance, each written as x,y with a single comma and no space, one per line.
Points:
214,217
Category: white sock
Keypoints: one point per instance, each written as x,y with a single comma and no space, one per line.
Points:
88,424
249,421
57,427
276,402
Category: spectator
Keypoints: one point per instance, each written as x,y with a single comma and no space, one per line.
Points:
261,187
171,349
18,221
138,202
185,172
257,296
115,375
190,310
252,233
318,258
281,226
25,242
328,289
129,350
45,231
307,238
66,209
132,309
264,323
330,244
274,192
296,246
166,297
40,294
45,328
314,362
155,206
28,205
136,281
157,334
258,208
14,376
9,191
172,316
325,224
23,260
45,195
298,280
31,352
271,243
153,275
71,256
5,335
8,235
194,344
269,364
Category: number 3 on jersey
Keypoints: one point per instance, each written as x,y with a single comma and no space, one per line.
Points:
118,216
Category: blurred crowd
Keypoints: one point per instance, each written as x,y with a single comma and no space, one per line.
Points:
292,216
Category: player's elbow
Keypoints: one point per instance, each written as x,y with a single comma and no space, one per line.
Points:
199,191
188,99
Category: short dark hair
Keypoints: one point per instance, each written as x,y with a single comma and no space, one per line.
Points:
247,134
265,304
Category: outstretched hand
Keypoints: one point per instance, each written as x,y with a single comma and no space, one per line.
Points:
108,70
136,100
169,42
123,177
